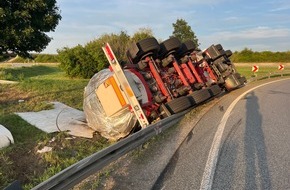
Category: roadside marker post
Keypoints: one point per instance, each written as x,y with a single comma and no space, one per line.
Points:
255,69
281,68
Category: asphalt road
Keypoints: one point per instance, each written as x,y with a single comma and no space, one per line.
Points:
243,142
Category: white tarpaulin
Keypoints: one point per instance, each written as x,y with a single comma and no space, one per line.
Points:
61,118
6,137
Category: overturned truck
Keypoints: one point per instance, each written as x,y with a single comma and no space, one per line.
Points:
159,79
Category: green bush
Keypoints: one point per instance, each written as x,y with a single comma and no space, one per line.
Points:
85,61
76,62
4,57
247,55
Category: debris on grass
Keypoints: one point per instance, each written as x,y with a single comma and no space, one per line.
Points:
45,149
61,118
6,137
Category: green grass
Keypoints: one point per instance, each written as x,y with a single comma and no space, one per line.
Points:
39,85
264,71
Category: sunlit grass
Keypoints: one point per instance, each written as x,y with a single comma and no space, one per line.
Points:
38,86
264,71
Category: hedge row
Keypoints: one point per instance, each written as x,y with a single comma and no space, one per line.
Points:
85,61
247,55
37,58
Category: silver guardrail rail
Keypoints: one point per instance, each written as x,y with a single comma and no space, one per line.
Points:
77,172
269,75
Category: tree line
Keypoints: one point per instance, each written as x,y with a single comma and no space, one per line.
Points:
247,55
85,61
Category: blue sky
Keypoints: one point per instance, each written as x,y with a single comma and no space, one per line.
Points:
260,25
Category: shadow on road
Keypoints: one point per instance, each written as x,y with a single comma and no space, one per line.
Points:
257,173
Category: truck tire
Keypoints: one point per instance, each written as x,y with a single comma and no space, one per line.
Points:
228,53
219,47
149,45
186,47
179,104
200,96
214,90
242,79
232,82
170,45
146,46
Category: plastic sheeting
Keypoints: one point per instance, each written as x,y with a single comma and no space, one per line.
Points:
6,137
114,127
61,118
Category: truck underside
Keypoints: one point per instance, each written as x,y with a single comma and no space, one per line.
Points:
158,80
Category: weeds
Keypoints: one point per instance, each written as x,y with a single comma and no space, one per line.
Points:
37,87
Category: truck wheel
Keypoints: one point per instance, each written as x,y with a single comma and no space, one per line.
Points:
229,53
169,46
179,104
219,47
149,45
200,96
232,82
186,47
214,90
136,51
243,80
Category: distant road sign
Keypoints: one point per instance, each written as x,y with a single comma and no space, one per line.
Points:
255,68
281,67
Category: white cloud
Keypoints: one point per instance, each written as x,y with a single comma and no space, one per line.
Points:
254,33
229,22
257,38
232,19
278,9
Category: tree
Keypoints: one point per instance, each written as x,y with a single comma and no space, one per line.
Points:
84,61
24,24
141,34
118,43
183,31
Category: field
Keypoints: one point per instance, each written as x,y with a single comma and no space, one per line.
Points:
37,86
265,69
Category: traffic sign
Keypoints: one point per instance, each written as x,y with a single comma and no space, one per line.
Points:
281,67
255,68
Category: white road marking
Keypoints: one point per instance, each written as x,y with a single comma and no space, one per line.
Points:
210,167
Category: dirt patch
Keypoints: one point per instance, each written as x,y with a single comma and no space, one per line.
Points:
26,163
20,164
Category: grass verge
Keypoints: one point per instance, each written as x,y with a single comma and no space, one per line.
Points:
264,69
36,87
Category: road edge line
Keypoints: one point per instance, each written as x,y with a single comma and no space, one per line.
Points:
210,167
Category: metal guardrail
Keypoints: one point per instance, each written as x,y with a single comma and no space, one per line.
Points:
75,173
269,75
